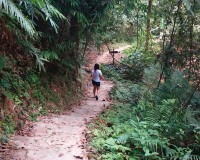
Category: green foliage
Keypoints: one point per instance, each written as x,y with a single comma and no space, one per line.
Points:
49,12
9,125
33,116
147,122
105,136
151,76
12,10
14,85
4,139
30,49
176,87
133,70
48,55
127,92
111,72
2,62
195,101
28,97
33,7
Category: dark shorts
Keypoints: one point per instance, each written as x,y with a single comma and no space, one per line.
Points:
95,83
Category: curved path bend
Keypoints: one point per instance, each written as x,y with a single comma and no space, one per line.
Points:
62,137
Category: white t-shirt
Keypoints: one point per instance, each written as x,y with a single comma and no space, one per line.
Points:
96,75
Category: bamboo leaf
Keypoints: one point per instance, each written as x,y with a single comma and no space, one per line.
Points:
187,4
11,10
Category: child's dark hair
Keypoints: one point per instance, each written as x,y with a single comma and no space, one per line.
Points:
96,66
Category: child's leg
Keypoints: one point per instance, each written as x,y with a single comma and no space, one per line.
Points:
97,90
94,90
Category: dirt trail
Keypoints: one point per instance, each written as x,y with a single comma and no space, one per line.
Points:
62,137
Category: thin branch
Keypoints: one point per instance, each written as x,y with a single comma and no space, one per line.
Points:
185,103
161,75
175,19
85,47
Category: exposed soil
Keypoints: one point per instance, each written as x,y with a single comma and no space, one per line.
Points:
62,137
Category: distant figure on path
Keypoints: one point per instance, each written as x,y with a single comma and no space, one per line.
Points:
96,75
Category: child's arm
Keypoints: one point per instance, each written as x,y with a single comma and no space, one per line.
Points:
101,77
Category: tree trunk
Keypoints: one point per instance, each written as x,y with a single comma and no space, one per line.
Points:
74,36
148,28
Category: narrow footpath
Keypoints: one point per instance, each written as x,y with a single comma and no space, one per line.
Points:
62,137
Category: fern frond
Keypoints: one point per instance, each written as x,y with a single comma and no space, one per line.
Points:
195,101
49,55
194,157
151,76
152,116
54,12
32,50
50,12
53,24
191,115
10,8
122,139
166,109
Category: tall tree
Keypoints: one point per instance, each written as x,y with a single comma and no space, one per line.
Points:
148,24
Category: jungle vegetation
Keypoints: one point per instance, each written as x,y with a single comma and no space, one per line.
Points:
43,44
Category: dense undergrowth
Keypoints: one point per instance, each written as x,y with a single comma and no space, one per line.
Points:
27,94
147,121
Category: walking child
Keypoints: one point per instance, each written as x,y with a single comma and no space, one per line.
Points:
96,75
